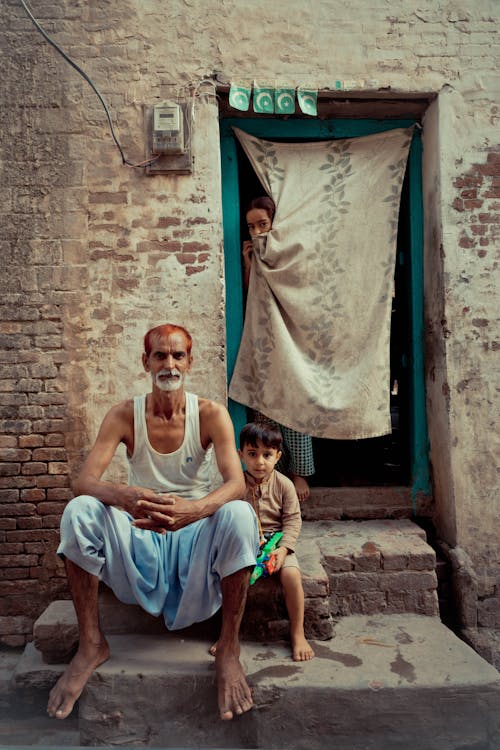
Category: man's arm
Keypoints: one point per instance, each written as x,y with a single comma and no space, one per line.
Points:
117,427
216,428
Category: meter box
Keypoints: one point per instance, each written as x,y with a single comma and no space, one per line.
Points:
168,129
168,138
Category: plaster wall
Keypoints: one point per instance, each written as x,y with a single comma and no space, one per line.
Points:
95,252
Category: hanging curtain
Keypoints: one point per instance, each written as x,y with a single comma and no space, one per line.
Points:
314,354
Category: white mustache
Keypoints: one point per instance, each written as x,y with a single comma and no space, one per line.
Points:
169,373
168,380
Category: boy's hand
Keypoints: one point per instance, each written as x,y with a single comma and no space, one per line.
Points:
281,554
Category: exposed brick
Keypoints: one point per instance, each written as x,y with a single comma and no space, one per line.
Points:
34,467
10,561
8,469
34,536
51,521
48,508
14,454
33,495
31,441
8,441
49,454
9,496
12,548
55,439
56,467
34,522
60,494
54,480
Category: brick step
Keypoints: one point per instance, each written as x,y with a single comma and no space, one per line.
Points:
365,503
384,682
348,567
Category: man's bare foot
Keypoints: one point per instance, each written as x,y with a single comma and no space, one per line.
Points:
301,487
301,650
213,648
69,686
234,694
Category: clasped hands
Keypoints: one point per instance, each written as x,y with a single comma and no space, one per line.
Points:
163,512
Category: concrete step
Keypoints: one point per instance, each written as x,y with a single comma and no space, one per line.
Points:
348,567
384,682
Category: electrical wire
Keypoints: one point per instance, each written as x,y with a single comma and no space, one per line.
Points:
125,161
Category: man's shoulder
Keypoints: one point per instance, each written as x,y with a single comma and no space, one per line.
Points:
209,408
123,410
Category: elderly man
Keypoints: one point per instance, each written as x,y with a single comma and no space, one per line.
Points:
166,541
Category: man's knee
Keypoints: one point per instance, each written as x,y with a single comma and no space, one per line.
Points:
81,512
238,514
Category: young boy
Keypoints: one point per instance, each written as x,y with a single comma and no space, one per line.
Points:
275,501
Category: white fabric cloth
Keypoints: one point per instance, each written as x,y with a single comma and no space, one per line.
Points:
315,350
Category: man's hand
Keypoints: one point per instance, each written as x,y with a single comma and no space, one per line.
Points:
166,513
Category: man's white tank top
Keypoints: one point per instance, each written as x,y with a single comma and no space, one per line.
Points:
186,471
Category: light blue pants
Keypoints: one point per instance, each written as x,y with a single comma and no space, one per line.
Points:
177,574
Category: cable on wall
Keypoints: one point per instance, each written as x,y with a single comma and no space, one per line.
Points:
125,161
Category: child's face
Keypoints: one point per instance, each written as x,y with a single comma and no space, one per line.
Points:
259,461
258,221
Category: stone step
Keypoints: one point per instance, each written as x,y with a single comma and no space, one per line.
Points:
375,566
365,503
383,683
348,567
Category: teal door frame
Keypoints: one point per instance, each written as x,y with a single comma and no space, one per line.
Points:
324,130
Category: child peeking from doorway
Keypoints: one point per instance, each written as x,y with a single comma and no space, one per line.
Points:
297,460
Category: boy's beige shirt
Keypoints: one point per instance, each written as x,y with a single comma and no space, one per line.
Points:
276,505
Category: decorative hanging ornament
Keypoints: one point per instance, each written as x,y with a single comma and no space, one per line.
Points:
308,101
263,99
239,96
284,101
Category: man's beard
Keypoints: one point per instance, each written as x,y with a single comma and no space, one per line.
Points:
168,380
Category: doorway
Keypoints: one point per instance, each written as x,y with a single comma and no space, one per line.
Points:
398,459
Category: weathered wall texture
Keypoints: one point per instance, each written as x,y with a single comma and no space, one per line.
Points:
94,253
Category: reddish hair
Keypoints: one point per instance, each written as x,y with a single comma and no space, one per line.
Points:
264,202
167,329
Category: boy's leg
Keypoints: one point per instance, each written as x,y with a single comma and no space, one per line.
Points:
291,580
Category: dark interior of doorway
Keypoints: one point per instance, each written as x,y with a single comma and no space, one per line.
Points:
382,461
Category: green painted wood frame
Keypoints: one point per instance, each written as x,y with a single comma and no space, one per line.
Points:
323,130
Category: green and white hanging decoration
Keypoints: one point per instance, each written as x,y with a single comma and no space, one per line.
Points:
279,100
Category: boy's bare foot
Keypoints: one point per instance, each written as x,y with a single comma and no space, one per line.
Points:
69,686
234,693
213,648
301,487
301,650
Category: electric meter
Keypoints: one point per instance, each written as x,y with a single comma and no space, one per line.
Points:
168,129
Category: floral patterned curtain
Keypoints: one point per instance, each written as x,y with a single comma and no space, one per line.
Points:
314,354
